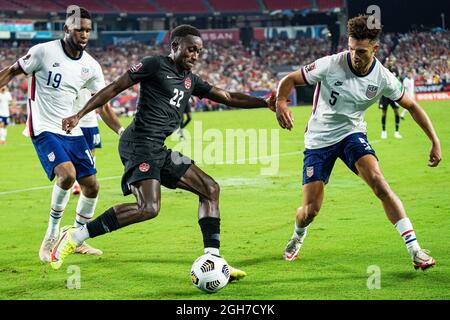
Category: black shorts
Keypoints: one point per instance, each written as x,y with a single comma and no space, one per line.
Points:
385,102
151,160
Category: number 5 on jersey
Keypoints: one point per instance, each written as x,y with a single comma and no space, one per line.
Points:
179,94
333,99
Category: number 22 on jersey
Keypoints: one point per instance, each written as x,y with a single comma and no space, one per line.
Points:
176,99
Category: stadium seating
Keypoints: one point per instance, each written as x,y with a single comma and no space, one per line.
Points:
97,6
168,6
135,6
41,5
325,5
186,6
10,6
287,4
235,5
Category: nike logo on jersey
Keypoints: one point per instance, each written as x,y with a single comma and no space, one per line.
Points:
169,77
56,64
338,83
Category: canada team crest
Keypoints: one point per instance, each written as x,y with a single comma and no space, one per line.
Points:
187,83
371,91
144,167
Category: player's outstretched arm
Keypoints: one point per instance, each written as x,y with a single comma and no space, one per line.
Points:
420,116
8,73
237,99
111,119
284,115
98,100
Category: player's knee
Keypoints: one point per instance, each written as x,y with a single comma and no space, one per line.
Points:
66,180
213,191
92,190
149,210
311,210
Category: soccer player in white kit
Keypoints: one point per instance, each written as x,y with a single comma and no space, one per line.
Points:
408,84
347,84
5,99
57,71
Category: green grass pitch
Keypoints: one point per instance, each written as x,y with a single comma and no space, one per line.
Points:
152,260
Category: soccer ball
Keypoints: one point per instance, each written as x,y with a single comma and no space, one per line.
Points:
210,273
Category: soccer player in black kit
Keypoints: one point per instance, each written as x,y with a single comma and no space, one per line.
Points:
166,84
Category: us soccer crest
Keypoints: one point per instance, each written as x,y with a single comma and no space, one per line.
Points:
51,157
371,91
309,171
84,73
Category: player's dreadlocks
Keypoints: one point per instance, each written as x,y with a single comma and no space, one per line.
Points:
183,31
359,29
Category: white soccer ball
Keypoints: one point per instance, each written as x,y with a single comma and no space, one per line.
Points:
210,273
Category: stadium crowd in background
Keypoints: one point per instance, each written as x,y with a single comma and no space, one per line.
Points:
237,68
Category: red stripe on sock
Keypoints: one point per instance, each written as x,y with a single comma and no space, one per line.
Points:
87,218
405,233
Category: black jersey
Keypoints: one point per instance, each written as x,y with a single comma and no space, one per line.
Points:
164,95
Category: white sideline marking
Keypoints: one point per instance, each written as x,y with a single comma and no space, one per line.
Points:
225,182
48,187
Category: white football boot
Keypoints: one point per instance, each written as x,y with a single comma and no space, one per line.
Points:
292,249
423,260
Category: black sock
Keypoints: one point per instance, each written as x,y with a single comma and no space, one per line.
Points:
106,222
383,123
211,232
397,122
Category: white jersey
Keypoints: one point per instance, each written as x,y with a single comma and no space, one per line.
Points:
55,80
5,99
409,86
342,97
89,120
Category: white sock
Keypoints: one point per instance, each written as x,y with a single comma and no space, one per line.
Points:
85,210
60,198
80,235
214,251
403,113
2,134
405,228
299,232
